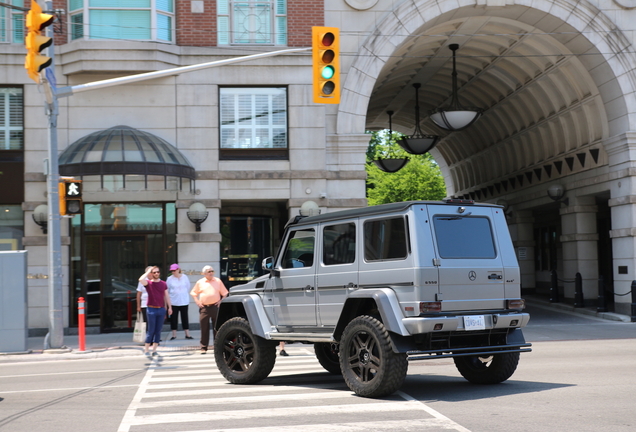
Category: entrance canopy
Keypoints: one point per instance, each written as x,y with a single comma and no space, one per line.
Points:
122,150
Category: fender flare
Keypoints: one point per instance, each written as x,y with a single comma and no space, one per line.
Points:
252,307
387,304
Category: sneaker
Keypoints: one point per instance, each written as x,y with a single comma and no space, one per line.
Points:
154,353
204,350
284,353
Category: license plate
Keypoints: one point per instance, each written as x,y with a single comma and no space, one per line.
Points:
474,322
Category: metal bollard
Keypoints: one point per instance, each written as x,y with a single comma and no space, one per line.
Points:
578,291
81,324
554,287
602,301
633,301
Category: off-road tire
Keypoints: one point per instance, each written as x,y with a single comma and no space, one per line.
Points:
368,364
241,357
327,355
487,369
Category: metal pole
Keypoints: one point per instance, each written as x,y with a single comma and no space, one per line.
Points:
633,301
602,301
578,290
554,287
55,338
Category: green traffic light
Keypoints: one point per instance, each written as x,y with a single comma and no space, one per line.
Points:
327,72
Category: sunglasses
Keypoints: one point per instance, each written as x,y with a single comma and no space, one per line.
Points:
210,271
156,272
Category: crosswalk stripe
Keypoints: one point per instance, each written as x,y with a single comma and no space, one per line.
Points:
334,394
236,389
214,373
388,425
316,410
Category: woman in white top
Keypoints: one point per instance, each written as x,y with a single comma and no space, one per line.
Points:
179,291
142,298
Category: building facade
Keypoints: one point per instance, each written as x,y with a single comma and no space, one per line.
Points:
555,81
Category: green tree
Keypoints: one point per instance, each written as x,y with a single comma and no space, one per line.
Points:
420,179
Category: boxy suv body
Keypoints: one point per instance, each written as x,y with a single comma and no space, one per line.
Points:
375,287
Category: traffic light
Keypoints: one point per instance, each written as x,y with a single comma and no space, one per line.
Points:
36,21
70,192
326,64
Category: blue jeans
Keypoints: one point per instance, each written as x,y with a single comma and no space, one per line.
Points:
155,324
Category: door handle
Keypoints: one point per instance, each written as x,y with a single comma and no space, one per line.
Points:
495,276
351,286
309,288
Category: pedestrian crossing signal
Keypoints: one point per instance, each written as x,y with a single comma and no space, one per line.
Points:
70,192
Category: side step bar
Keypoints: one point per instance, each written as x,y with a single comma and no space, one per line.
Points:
462,352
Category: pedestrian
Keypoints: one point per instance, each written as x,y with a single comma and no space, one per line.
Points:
158,303
142,298
281,345
208,293
179,291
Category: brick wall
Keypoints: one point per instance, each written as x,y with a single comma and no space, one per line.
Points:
195,29
301,16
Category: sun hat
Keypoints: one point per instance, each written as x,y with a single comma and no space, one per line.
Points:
174,267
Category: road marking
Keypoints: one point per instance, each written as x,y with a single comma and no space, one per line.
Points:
233,389
70,373
69,388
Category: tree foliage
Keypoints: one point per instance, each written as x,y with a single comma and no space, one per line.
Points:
420,179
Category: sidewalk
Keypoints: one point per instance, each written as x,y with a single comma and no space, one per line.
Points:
121,345
103,345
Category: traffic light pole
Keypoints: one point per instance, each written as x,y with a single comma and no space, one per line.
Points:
55,337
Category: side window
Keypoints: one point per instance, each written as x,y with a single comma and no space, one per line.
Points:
299,250
339,244
464,237
385,239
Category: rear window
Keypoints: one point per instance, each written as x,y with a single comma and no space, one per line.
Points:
385,239
464,237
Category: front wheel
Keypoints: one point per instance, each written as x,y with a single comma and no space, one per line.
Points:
487,369
241,357
369,365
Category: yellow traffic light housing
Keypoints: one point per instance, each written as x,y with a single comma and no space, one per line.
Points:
326,64
70,193
36,21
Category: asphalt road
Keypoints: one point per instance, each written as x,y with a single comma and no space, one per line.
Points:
579,377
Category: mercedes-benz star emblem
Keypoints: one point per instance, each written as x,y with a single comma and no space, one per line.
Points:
472,275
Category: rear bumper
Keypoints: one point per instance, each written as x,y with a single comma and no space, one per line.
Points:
493,321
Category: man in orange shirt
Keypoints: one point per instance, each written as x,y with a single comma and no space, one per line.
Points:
208,293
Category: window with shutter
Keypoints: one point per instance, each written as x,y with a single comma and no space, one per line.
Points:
253,123
252,22
11,119
122,19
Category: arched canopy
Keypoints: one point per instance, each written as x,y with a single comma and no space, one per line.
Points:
122,150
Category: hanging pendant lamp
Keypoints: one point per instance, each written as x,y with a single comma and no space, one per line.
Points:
390,165
455,117
418,143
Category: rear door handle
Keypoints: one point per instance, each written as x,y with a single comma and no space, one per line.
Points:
495,276
309,288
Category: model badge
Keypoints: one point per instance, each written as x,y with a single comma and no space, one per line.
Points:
472,275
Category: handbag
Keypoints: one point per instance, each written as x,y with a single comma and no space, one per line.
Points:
139,332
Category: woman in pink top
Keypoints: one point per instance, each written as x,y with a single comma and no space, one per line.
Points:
158,301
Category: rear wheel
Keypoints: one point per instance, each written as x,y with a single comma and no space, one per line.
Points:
241,357
487,369
327,355
369,365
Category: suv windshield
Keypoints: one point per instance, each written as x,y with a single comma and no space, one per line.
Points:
464,237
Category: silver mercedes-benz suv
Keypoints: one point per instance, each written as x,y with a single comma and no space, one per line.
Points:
373,288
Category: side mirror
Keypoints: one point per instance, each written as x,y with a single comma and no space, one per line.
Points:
268,264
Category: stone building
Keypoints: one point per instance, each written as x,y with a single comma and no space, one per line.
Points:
555,81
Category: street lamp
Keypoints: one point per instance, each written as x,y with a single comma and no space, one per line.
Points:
418,143
41,217
455,117
390,165
197,213
556,192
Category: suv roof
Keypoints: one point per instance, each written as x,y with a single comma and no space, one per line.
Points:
377,209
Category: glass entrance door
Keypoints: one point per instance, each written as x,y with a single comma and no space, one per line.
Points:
114,266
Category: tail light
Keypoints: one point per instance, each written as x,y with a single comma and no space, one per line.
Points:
517,304
427,307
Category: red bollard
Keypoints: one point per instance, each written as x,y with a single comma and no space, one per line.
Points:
129,310
81,324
